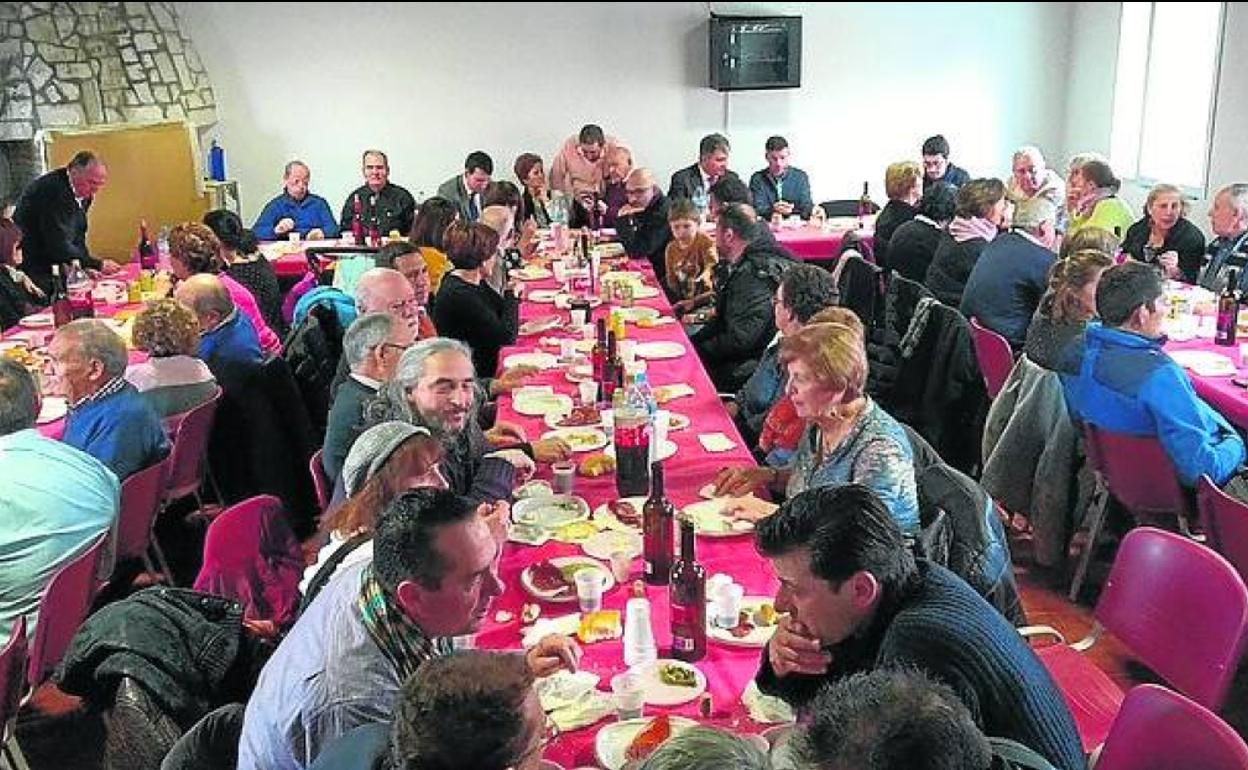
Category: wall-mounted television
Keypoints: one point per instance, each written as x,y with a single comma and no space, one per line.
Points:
755,52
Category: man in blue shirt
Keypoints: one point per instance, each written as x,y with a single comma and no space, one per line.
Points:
57,501
1119,378
227,338
108,418
296,210
780,188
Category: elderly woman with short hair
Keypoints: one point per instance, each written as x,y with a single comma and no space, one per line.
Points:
849,439
1166,237
903,184
173,379
467,309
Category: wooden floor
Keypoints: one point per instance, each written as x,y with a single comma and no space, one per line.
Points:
57,733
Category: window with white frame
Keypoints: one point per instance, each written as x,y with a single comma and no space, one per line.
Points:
1164,92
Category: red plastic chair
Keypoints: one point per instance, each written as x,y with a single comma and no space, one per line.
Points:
1137,472
62,609
1225,522
1161,730
320,482
141,496
995,357
1178,606
13,662
190,448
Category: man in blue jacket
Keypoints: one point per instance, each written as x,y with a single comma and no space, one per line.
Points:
1117,377
296,210
780,188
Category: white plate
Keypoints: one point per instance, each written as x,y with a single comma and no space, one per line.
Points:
53,409
635,314
531,273
582,439
1205,363
608,582
535,359
678,421
709,522
613,740
552,422
602,544
533,489
544,296
659,694
14,344
37,321
579,373
550,512
658,350
539,404
604,514
667,450
758,637
539,325
622,275
644,292
665,393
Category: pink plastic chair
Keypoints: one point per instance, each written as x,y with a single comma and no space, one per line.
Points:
141,495
1225,521
995,357
190,447
320,482
1180,608
62,609
13,663
1137,472
1161,730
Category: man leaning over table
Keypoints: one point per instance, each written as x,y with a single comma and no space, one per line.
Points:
1118,377
581,161
296,210
433,576
383,203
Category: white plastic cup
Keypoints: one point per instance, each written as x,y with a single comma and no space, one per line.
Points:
588,391
564,477
588,589
1243,354
628,351
621,566
628,695
589,332
567,350
727,606
579,316
294,236
658,432
608,423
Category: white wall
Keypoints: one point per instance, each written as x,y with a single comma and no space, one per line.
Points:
421,81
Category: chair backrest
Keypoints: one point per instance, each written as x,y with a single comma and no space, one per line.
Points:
1157,729
995,357
12,679
320,482
1225,522
62,609
141,495
1138,472
1180,608
190,447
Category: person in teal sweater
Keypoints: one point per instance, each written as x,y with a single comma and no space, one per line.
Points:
108,418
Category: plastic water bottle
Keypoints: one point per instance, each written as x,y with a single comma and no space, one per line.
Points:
162,249
642,384
216,162
76,280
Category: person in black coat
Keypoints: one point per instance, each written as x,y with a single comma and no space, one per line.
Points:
695,181
903,183
749,270
979,216
52,214
1165,237
467,308
913,244
936,165
642,222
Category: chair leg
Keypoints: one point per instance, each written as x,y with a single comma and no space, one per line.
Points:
1099,509
160,561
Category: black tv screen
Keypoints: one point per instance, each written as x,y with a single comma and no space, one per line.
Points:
755,52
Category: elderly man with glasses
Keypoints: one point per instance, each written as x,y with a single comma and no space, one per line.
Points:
642,221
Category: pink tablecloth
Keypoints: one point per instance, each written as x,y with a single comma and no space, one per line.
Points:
1231,400
728,669
814,244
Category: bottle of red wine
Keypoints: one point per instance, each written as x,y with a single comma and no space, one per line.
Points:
656,522
598,355
374,226
688,599
357,220
148,258
1228,311
62,308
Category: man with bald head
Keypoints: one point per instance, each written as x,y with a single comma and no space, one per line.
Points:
227,340
296,210
642,221
385,290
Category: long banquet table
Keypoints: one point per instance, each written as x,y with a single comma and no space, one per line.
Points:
728,669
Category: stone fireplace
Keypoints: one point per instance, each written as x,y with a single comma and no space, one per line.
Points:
68,65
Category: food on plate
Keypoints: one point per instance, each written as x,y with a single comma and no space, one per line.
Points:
766,615
529,613
580,416
24,356
650,323
548,578
650,738
503,616
597,465
576,531
550,512
582,439
677,676
600,625
665,393
626,512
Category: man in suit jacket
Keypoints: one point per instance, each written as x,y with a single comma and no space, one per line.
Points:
712,165
52,214
465,190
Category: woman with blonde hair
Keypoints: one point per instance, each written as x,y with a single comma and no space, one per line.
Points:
173,379
1066,307
903,184
193,249
1165,237
848,439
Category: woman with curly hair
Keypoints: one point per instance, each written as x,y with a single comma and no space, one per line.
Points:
195,249
172,379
